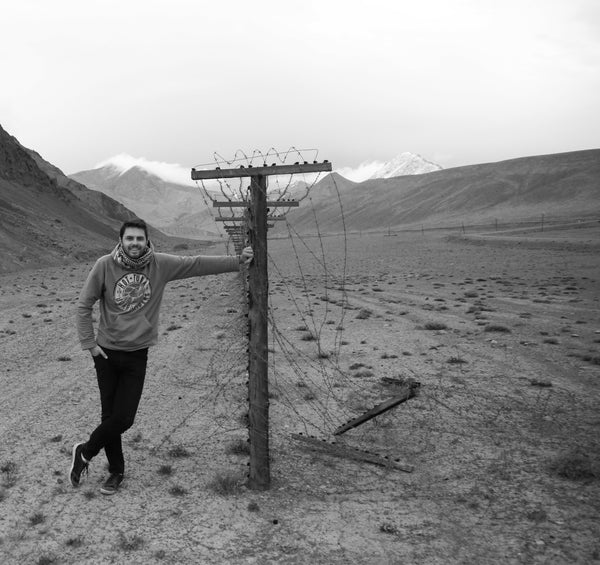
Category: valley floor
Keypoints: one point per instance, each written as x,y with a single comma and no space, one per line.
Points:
503,335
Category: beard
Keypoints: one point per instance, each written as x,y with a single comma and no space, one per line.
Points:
134,251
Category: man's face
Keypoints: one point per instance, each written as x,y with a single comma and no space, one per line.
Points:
134,242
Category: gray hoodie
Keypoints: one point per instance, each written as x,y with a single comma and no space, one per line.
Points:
130,299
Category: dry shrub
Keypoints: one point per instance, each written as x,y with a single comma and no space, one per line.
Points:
178,451
496,328
574,465
239,447
363,314
130,543
435,326
363,374
226,484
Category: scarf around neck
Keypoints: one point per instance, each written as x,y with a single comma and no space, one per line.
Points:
125,261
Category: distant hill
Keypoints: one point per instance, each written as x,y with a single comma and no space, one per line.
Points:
174,208
562,184
48,219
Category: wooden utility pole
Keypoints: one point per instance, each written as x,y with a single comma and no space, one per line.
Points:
258,287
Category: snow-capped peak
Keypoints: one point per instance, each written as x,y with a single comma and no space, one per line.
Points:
404,164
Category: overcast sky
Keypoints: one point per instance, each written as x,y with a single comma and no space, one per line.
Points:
457,81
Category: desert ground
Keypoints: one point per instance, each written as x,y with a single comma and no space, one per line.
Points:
502,331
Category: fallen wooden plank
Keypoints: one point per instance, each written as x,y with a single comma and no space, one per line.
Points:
411,389
343,451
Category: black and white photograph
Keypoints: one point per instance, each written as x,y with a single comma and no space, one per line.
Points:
300,283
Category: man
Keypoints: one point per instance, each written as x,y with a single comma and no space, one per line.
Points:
129,283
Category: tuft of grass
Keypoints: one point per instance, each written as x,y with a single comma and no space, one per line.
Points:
310,395
455,360
363,373
593,359
435,326
75,541
177,490
9,473
253,507
64,358
389,356
173,327
225,484
574,465
388,528
363,314
308,336
178,451
47,560
165,470
551,340
37,518
130,543
238,447
496,328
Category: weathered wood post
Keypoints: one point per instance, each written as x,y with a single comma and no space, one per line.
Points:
258,294
258,361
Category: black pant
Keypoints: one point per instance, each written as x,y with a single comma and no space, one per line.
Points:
121,381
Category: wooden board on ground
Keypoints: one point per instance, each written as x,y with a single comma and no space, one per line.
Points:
411,388
346,452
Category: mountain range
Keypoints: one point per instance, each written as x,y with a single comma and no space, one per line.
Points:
47,218
561,185
176,209
185,209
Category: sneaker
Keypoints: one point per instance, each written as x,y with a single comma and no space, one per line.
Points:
79,466
111,484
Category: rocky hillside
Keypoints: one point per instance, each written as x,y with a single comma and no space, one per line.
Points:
174,208
46,218
563,185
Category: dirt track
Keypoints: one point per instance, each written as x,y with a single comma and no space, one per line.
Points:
499,411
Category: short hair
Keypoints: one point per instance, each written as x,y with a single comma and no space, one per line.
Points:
134,223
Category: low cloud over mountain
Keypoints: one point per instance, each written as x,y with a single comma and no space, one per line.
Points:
169,172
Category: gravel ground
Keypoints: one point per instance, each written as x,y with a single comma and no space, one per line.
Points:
503,336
